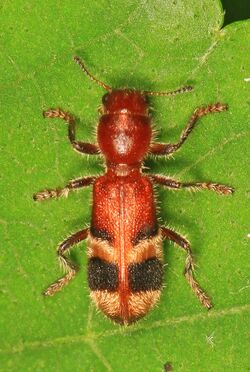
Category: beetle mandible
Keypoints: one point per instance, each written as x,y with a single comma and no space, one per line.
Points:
124,240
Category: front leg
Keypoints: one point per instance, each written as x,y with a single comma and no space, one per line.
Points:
173,184
189,266
82,147
169,148
56,193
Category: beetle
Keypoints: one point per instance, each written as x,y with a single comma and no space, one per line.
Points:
124,240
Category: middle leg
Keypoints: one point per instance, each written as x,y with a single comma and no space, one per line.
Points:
189,266
173,184
56,193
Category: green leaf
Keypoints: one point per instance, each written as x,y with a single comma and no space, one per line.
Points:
157,45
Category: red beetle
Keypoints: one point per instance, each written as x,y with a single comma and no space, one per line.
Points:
125,267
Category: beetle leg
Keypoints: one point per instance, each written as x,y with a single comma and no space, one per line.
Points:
82,147
56,193
169,148
189,266
173,184
69,267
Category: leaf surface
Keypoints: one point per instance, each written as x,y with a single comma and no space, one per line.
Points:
158,45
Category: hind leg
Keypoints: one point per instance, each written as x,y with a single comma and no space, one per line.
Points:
189,266
69,267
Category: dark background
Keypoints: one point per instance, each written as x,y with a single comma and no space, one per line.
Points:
236,10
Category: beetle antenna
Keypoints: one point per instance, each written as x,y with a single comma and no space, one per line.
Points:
92,77
185,89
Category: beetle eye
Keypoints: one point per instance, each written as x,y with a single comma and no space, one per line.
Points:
105,98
